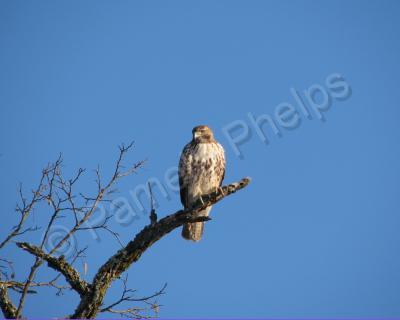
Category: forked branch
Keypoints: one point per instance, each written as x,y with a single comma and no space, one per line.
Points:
61,265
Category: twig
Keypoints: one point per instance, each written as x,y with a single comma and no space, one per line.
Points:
127,296
153,215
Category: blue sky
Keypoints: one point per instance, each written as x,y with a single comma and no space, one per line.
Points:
314,235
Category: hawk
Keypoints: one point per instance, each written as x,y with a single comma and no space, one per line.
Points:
201,171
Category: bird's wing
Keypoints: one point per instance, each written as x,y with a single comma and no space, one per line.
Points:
222,163
184,173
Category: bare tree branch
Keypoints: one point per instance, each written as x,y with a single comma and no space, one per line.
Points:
102,192
59,264
18,286
9,310
90,304
127,296
54,181
49,175
10,266
25,210
6,305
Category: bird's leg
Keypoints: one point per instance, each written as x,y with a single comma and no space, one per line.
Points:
221,191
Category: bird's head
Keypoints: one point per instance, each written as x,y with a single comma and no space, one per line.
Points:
202,134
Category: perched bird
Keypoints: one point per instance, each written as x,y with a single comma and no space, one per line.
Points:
201,171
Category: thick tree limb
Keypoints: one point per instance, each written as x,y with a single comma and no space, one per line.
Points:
90,304
61,265
8,308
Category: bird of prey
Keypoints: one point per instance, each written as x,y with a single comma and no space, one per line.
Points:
201,171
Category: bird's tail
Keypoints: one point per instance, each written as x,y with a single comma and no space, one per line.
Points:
193,231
